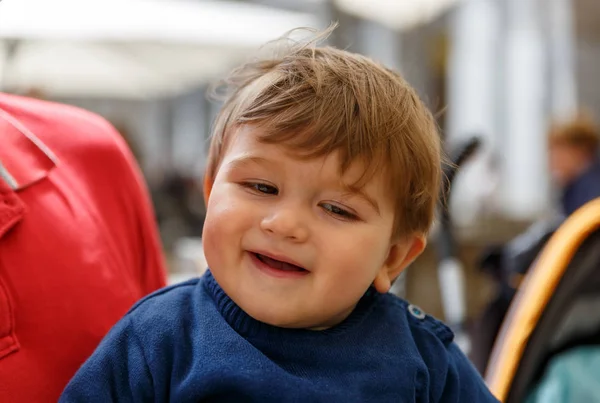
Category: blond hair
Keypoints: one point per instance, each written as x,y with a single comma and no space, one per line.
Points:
317,100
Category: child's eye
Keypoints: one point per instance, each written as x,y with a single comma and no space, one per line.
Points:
339,212
262,188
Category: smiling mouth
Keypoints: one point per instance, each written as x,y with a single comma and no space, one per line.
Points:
278,264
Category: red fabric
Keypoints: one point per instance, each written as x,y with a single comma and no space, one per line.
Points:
78,243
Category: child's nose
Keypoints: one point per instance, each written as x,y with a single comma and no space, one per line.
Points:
286,222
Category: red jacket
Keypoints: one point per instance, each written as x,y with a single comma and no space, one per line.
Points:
78,243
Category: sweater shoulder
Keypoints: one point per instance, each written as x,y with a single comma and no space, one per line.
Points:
165,307
420,323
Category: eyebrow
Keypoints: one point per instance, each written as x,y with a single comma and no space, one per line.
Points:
363,195
247,160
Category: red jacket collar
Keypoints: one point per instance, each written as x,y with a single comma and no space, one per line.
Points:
24,159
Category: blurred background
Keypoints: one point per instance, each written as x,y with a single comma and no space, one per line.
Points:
499,69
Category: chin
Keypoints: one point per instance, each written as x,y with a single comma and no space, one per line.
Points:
278,317
274,318
290,321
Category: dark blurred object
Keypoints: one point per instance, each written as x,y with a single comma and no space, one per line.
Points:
507,265
457,158
450,268
180,209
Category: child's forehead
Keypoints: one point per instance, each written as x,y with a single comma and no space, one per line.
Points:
353,171
249,146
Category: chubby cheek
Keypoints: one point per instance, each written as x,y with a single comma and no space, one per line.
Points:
212,242
213,237
223,229
358,259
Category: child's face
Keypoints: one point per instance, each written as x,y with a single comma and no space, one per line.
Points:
567,162
267,207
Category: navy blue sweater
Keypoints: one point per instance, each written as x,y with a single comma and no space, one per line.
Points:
192,343
583,189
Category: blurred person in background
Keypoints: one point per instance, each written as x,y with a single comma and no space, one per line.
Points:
575,170
78,242
574,163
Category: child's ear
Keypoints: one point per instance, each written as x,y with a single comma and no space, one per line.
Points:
401,254
207,188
